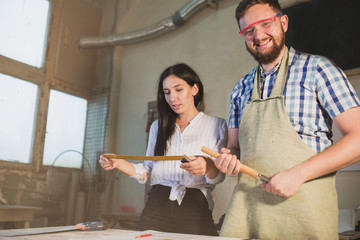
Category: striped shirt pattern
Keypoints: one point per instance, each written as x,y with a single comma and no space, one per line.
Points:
203,130
316,91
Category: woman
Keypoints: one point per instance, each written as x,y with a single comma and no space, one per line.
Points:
180,198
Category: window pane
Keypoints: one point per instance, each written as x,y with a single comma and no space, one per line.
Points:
65,130
23,27
17,110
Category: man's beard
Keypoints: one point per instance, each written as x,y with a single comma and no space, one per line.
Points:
272,55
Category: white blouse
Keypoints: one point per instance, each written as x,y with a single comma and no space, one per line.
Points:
203,130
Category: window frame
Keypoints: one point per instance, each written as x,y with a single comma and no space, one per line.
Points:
45,79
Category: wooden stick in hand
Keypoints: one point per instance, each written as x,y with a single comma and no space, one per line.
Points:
243,168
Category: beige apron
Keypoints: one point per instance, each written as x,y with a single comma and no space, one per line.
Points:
270,144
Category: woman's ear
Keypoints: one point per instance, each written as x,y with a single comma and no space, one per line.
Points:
195,89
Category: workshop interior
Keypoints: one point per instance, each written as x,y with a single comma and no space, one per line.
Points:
78,79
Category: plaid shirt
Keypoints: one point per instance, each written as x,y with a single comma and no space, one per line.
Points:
315,92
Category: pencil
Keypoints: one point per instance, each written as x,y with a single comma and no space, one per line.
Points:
145,235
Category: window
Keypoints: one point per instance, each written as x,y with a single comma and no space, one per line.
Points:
23,27
25,89
18,100
65,130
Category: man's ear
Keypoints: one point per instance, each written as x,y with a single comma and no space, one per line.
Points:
284,20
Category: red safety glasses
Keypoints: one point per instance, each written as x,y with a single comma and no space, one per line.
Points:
248,31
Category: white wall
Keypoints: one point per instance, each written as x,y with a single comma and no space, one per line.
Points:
209,42
348,179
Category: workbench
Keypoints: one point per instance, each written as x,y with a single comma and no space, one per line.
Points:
109,234
21,215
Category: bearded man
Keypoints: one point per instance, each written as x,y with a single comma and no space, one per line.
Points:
281,125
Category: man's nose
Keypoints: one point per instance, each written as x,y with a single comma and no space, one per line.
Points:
258,32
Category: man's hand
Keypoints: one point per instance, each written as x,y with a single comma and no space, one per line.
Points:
228,163
285,184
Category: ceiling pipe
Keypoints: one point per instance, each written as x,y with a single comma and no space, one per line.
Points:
163,26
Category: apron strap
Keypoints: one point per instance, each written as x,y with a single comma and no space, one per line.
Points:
280,81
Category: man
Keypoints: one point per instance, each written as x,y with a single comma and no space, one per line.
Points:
280,124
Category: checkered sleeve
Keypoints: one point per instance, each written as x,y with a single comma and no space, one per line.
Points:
239,96
234,116
335,92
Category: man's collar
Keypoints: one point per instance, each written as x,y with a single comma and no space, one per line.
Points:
292,53
272,71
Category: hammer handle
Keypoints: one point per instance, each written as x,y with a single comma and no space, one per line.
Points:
243,168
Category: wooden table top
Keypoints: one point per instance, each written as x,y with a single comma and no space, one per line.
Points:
109,234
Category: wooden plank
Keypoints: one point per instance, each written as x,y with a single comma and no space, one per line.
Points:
16,213
62,232
34,231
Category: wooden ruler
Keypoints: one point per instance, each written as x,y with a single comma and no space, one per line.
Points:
152,158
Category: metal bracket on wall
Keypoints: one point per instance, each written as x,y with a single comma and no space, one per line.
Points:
213,4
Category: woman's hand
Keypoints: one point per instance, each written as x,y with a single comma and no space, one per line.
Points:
120,164
200,165
106,163
197,166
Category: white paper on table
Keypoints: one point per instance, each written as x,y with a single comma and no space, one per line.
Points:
156,235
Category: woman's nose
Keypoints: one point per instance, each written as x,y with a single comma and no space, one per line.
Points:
172,96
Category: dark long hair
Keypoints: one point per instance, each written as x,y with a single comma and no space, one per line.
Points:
246,4
166,116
